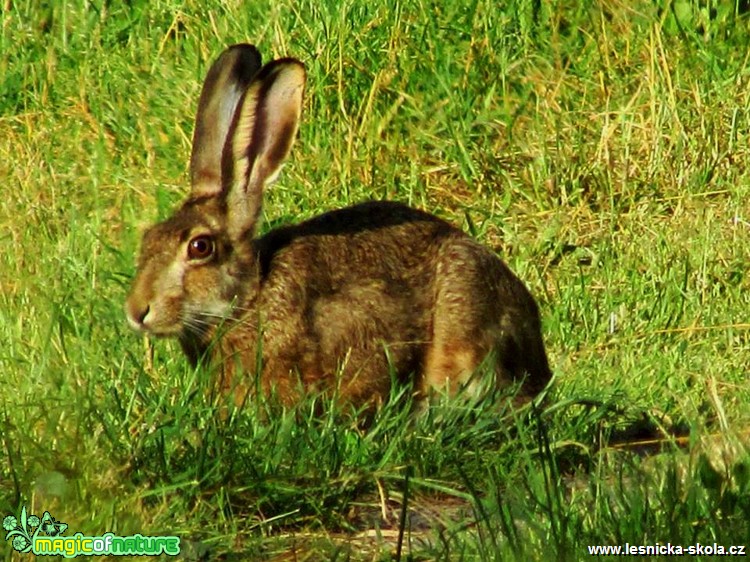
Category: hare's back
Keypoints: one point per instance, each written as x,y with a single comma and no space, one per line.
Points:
374,240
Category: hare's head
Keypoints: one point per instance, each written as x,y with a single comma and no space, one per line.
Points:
197,263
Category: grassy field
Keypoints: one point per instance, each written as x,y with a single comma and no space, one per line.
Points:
603,150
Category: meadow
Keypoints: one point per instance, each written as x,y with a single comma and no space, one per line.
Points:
601,148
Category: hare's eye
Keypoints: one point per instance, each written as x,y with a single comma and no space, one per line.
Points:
201,247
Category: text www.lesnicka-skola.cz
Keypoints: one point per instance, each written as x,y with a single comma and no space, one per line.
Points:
668,549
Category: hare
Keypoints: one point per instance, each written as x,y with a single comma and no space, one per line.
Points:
348,302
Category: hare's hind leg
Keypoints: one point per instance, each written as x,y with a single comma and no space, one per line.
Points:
462,325
482,311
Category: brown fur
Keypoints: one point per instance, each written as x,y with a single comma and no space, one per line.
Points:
336,303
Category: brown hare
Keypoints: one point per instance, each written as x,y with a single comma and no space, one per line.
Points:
347,302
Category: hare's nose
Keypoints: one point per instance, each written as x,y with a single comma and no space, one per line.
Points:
137,314
141,317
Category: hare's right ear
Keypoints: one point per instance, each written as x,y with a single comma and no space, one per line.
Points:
225,83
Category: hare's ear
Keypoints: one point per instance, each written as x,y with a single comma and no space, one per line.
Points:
225,83
262,135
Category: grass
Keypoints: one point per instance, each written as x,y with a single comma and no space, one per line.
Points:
601,149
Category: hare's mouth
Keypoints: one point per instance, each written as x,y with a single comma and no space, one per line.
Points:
202,320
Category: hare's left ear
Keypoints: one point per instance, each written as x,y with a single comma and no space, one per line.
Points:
226,82
259,141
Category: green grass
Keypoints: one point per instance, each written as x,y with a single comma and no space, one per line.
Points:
601,150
